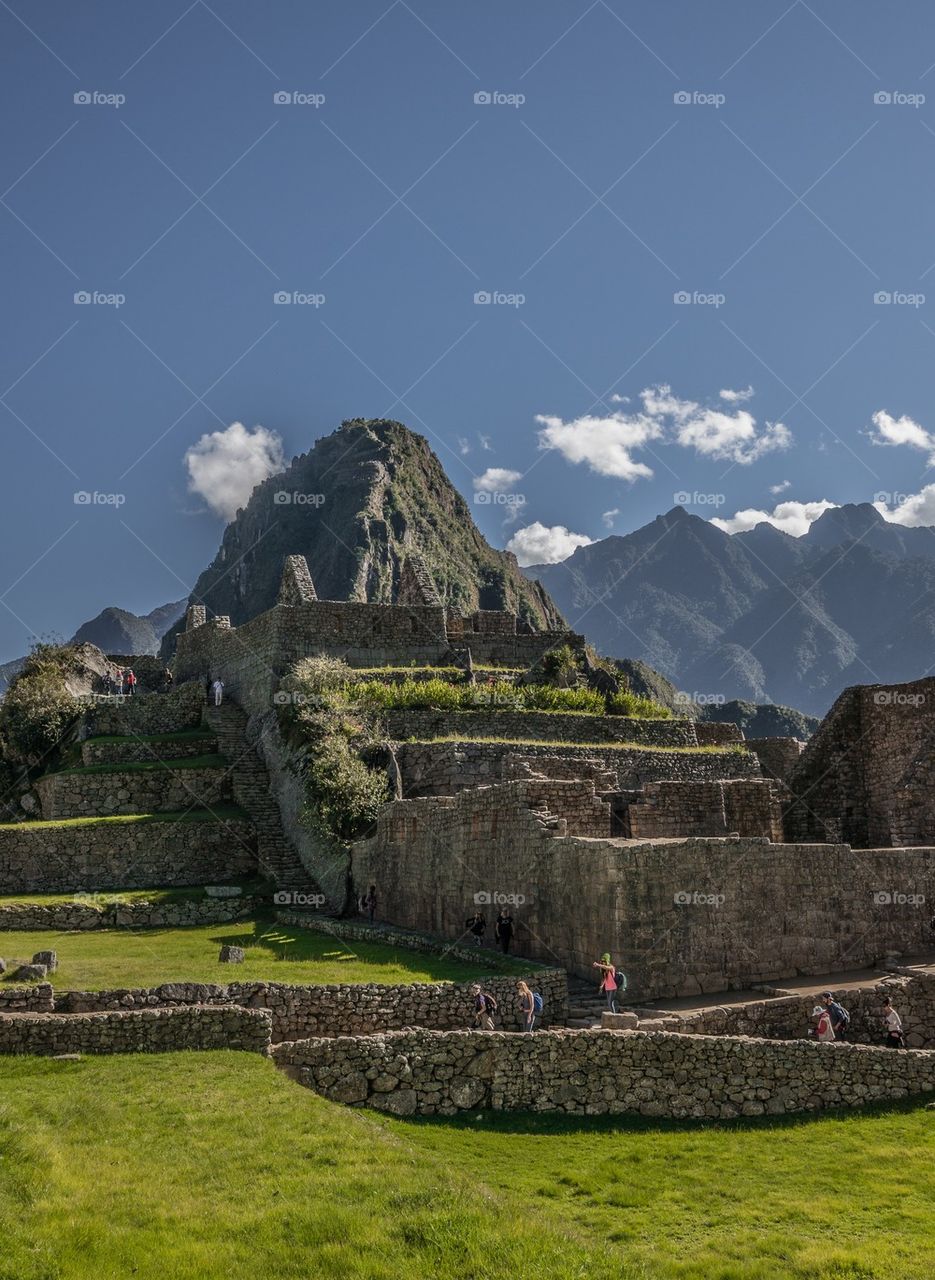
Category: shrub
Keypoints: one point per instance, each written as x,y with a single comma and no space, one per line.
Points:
38,709
543,697
631,704
343,793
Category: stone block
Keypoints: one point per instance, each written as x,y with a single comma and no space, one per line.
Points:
231,955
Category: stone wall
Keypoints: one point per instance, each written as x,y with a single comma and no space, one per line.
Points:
681,917
548,726
97,751
136,1031
446,768
789,1017
601,1073
148,714
868,774
714,733
348,1009
37,999
127,791
109,912
748,807
92,856
777,756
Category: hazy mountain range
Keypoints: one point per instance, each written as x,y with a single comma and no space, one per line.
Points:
760,616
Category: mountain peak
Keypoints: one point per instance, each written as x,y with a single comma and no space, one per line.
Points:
853,520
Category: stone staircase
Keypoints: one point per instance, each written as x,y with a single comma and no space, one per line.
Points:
250,783
585,1002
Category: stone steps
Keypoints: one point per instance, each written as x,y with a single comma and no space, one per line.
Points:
250,785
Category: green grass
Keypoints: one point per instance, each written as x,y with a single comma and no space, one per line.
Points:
212,761
105,958
732,748
228,812
162,896
212,1166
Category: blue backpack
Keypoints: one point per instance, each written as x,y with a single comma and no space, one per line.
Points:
537,1003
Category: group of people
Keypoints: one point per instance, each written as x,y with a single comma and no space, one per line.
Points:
832,1020
504,929
121,681
485,1006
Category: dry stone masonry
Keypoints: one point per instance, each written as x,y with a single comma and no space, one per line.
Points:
137,1031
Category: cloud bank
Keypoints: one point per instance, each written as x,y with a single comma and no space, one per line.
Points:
791,517
224,467
539,544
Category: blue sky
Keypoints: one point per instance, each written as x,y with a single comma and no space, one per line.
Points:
781,197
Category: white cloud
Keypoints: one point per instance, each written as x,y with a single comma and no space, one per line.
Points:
464,446
608,517
791,517
485,443
736,397
539,544
607,444
912,510
904,430
496,480
224,467
781,487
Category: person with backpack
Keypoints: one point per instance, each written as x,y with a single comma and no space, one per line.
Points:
840,1018
477,925
608,983
894,1026
823,1028
504,930
530,1003
485,1006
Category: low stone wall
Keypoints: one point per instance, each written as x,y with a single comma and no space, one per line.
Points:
601,1073
446,768
107,911
36,999
346,1009
109,856
136,1031
557,726
156,790
149,713
746,806
777,756
789,1017
96,751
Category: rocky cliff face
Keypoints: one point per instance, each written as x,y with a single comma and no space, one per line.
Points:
355,505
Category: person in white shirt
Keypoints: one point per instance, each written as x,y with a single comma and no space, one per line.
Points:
823,1029
218,688
894,1026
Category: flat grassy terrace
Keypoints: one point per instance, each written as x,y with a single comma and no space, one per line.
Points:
198,734
211,1166
105,958
229,812
714,749
208,761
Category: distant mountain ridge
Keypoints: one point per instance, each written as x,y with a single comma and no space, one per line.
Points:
759,616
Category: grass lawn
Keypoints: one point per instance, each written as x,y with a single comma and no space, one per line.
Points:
610,745
216,1166
116,896
227,811
105,958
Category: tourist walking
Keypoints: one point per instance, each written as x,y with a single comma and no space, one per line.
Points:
118,680
131,682
894,1026
485,1006
504,930
477,925
370,902
823,1028
608,983
840,1018
527,1004
218,690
